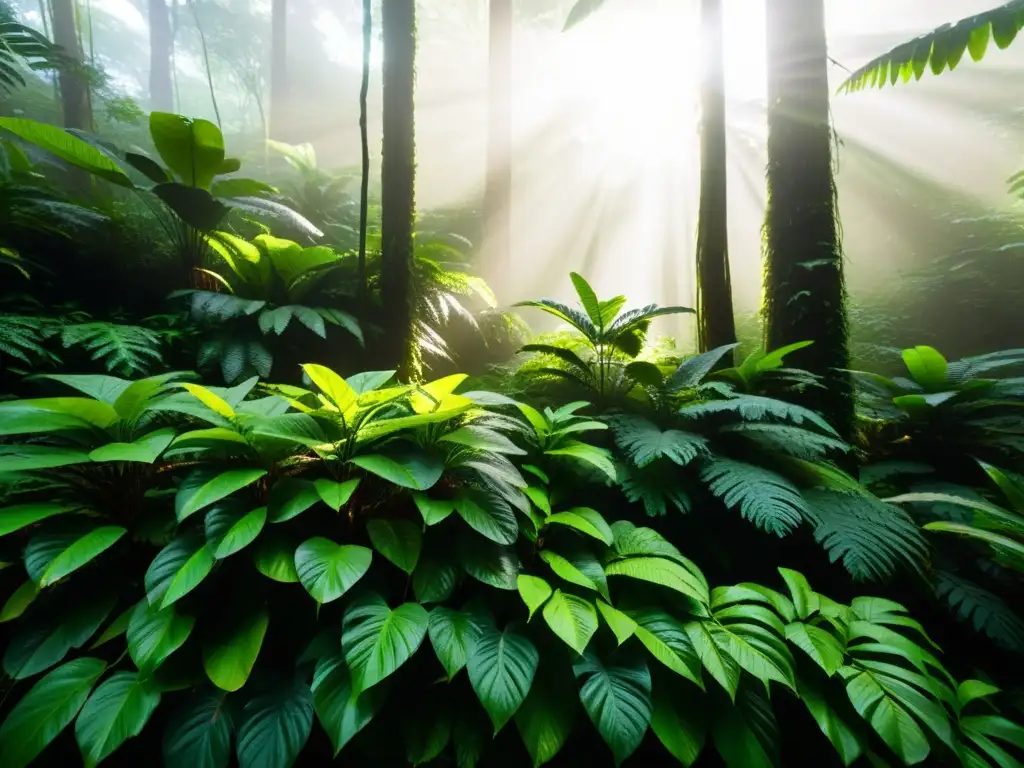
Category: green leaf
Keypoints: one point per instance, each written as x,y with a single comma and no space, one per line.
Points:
154,634
927,367
666,639
230,532
665,573
619,623
145,450
19,600
534,591
490,563
586,521
78,553
496,521
747,735
399,541
377,640
571,618
116,628
117,711
714,658
219,487
328,570
22,515
414,470
199,734
68,148
40,642
229,659
589,454
434,511
566,570
888,716
290,497
482,439
679,720
274,557
211,400
46,710
540,498
827,652
335,388
617,698
453,634
501,670
805,599
434,579
341,712
334,494
545,719
970,690
192,148
178,569
844,738
275,727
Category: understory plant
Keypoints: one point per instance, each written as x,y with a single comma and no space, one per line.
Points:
278,574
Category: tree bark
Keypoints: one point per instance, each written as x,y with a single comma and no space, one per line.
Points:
161,46
498,191
278,70
398,175
716,324
74,87
804,287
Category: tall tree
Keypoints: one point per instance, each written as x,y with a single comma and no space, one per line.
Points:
161,47
716,325
498,192
74,85
278,69
398,177
804,289
364,140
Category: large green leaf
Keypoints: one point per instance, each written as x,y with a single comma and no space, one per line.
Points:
229,658
192,148
817,643
338,391
199,734
433,511
334,494
617,697
145,450
435,577
217,488
619,623
154,634
501,670
50,558
844,738
659,571
19,516
229,531
887,714
341,712
534,591
453,634
274,557
46,710
19,601
399,541
490,563
290,497
275,726
546,717
377,640
68,148
753,635
714,657
746,736
178,569
572,618
679,720
328,570
490,518
117,711
39,643
586,521
666,639
415,470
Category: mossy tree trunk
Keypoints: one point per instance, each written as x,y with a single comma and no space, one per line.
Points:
498,192
74,86
804,291
716,324
398,177
161,47
278,69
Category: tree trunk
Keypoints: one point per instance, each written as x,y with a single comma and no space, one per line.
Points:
74,87
716,325
498,192
804,289
398,176
161,46
278,69
364,138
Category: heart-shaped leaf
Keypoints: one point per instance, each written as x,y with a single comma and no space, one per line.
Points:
377,640
230,657
328,570
399,541
501,670
116,711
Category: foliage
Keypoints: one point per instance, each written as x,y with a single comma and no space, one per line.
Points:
941,49
21,48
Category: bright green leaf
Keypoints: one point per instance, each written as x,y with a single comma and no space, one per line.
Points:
377,640
229,659
328,570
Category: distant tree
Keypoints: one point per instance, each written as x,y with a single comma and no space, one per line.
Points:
364,141
398,176
804,291
161,52
278,69
74,84
498,192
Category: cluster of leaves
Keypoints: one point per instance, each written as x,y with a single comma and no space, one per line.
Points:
23,48
165,531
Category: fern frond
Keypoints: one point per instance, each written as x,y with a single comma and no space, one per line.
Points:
986,612
756,408
644,441
788,440
872,539
126,350
766,498
657,487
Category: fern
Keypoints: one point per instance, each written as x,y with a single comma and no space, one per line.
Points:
766,498
986,612
22,337
124,350
236,357
756,408
873,539
644,442
788,440
657,487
